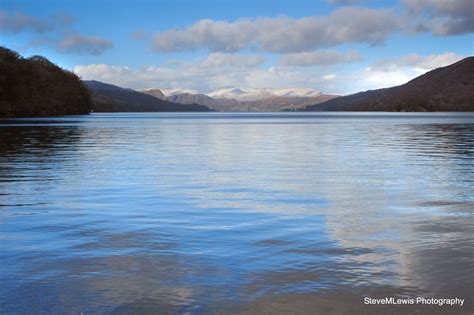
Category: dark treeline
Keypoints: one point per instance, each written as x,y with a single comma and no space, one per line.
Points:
35,86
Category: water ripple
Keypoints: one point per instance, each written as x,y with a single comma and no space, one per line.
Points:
128,212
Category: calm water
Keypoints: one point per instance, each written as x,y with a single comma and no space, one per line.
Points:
188,211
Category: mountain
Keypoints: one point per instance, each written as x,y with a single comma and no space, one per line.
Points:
156,93
286,103
219,104
111,98
254,94
240,94
233,99
186,98
296,92
269,104
173,91
37,87
448,88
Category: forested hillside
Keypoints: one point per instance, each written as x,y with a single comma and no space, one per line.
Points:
35,86
112,98
447,89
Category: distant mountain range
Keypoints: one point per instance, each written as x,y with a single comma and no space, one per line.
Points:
36,87
448,88
232,99
111,98
255,94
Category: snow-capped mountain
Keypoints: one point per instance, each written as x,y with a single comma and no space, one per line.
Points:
241,94
173,91
155,92
296,92
253,94
233,99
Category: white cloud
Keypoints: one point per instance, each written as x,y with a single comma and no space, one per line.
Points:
216,70
77,43
347,24
17,22
329,77
140,35
416,62
324,57
219,70
219,60
54,31
448,17
203,76
396,71
375,79
282,34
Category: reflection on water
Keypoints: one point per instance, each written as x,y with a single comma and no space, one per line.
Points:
191,212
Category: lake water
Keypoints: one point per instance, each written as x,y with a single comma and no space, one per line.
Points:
207,212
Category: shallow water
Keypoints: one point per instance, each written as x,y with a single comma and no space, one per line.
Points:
191,212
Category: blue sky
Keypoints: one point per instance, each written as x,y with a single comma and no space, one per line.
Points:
335,46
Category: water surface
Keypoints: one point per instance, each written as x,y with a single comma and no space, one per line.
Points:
193,212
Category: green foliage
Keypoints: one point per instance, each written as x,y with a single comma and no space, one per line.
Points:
37,87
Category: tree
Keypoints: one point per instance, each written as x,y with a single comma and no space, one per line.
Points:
37,87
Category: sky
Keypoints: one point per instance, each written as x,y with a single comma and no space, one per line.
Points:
333,46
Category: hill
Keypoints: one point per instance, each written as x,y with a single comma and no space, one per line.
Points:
36,87
156,93
267,104
448,88
286,103
218,104
254,94
111,98
273,103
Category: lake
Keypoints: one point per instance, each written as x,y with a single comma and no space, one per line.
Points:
235,212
